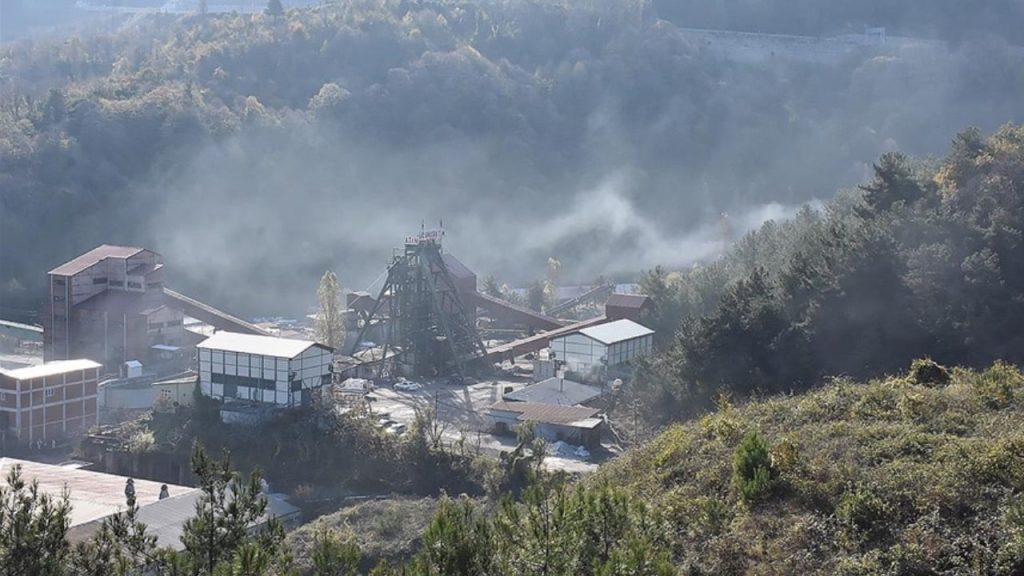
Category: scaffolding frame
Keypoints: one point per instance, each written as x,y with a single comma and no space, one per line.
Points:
430,331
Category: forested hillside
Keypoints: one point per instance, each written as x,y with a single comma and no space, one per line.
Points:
926,259
589,131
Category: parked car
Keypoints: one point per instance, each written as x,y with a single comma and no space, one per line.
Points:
407,386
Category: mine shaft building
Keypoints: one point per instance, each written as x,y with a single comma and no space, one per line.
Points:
278,372
110,305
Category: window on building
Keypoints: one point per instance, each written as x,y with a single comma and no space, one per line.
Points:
59,282
99,280
3,396
228,379
135,285
51,392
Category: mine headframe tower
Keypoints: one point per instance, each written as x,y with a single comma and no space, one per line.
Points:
429,332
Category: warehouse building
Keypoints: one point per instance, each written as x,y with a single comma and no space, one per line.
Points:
555,391
48,402
576,425
96,496
262,369
598,352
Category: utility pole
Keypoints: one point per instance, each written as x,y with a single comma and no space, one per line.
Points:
635,433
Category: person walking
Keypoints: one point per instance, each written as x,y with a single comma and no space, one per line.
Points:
129,492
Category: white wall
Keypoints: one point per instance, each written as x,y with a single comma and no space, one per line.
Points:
580,353
622,352
218,370
310,368
583,355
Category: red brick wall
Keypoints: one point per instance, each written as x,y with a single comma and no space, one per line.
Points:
68,410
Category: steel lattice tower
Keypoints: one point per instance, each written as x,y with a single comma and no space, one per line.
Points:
429,330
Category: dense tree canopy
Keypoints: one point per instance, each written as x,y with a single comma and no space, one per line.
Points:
610,135
924,260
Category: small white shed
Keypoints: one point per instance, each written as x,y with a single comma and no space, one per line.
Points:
132,369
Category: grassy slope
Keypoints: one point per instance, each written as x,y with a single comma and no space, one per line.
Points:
384,530
885,477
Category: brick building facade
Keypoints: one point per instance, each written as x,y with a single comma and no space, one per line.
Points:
48,402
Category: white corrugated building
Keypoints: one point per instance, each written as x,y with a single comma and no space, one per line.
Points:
590,351
274,371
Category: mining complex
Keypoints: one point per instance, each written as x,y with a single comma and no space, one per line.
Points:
116,341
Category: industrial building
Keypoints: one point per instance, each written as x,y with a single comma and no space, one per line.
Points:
265,370
175,391
628,307
556,392
595,352
577,425
95,496
110,304
49,402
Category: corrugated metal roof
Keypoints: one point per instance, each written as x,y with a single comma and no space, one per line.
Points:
51,369
20,326
166,518
21,331
185,379
253,344
93,495
94,256
456,268
535,412
617,331
555,391
627,301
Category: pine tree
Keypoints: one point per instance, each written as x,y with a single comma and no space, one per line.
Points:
535,296
33,526
894,181
120,547
332,557
220,533
492,288
330,330
274,8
